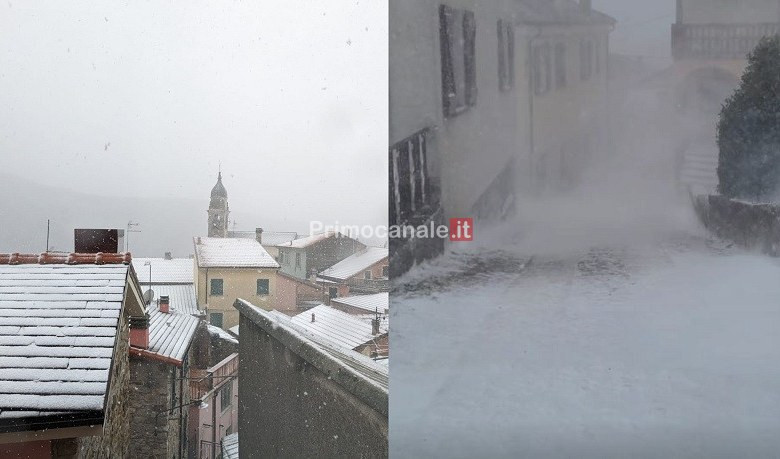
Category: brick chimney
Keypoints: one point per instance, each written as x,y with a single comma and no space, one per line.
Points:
164,304
259,235
168,256
139,332
375,326
312,317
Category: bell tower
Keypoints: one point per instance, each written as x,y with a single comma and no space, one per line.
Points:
218,210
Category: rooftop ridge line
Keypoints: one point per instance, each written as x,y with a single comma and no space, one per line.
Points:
48,258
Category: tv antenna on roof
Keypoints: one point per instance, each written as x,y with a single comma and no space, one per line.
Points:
130,226
148,296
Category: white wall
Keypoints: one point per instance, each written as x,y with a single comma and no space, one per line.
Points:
475,146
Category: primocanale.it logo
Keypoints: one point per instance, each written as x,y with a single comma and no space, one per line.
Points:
459,230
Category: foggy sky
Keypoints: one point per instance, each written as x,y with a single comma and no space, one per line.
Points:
145,98
644,27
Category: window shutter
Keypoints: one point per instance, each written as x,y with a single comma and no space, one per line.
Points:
446,28
470,57
511,52
502,69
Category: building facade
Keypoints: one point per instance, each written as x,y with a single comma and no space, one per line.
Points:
488,99
304,258
159,374
232,268
364,272
213,415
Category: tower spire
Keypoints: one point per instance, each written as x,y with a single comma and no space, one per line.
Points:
219,210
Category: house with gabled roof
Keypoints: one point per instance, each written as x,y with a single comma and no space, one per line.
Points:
378,303
66,324
161,403
368,337
365,271
230,268
305,257
270,240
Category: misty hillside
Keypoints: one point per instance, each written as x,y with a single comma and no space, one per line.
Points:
166,224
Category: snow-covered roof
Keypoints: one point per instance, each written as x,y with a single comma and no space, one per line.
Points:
170,334
307,241
213,252
346,358
378,302
58,324
384,321
269,238
181,296
273,239
230,446
221,334
164,271
355,263
233,330
559,12
337,326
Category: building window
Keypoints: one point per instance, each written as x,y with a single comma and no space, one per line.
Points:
586,60
297,260
506,55
560,66
410,183
281,258
542,71
263,287
333,292
216,287
385,271
457,36
367,275
226,396
215,319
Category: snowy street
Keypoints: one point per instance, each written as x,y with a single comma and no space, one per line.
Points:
671,346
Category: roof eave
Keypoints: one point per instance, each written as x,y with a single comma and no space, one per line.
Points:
147,354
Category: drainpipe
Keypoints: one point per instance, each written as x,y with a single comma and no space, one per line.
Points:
531,94
214,425
206,300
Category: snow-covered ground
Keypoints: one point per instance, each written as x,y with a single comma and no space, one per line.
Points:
665,348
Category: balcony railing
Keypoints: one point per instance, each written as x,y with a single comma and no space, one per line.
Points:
718,41
214,377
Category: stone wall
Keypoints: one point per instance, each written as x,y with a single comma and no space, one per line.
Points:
752,226
289,408
150,429
115,440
